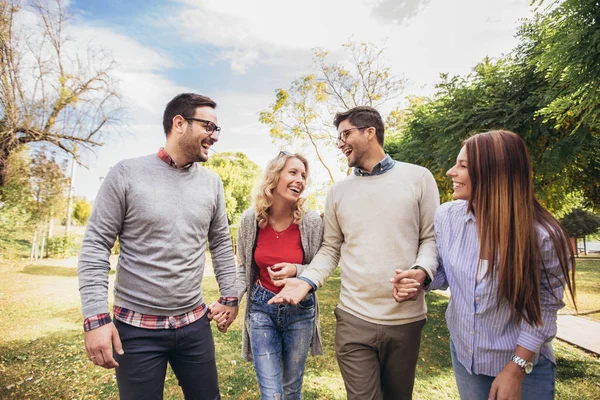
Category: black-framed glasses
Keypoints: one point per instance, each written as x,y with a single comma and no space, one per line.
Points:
284,153
210,126
343,135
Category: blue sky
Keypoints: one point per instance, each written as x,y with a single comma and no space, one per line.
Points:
239,52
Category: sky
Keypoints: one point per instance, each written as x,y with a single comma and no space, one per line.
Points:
240,52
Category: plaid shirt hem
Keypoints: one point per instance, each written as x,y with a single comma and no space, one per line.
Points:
96,321
146,321
228,301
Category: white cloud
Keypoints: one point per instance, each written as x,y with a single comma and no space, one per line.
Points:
422,40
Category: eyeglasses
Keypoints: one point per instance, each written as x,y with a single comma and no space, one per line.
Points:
284,153
343,135
210,126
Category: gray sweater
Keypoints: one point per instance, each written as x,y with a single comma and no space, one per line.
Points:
164,218
311,235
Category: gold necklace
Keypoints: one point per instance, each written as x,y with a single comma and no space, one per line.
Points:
280,233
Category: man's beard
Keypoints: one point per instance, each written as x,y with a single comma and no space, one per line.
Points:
192,149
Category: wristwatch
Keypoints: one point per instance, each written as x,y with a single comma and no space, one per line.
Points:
526,366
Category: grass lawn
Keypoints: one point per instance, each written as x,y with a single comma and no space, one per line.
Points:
588,289
41,347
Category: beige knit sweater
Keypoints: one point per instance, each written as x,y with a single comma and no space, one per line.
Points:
373,226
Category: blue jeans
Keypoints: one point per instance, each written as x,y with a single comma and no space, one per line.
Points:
280,336
538,385
190,350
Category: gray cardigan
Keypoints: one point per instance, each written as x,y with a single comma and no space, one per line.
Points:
311,235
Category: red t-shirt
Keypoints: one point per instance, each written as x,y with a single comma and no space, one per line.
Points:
275,247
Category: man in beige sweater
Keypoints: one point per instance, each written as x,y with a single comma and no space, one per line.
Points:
378,222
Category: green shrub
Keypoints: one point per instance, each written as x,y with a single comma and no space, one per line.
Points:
60,247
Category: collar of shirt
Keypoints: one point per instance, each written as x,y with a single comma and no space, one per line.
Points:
162,154
381,168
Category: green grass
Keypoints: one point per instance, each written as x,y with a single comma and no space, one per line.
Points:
588,289
41,348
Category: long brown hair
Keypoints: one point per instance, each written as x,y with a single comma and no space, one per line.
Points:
506,210
264,197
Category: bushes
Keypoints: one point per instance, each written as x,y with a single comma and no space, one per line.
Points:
61,247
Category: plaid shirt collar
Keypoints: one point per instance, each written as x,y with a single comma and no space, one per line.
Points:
162,154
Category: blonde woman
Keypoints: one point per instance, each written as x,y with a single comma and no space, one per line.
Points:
277,238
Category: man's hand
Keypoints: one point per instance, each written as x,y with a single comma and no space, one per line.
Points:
294,290
222,315
507,385
282,271
407,284
99,344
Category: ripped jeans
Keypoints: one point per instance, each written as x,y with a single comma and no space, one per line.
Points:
280,336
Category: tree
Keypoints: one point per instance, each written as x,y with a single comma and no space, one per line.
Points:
302,115
17,199
82,209
239,175
49,183
49,93
517,92
581,223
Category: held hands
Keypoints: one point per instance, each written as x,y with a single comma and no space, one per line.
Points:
99,344
222,315
507,385
407,284
294,290
281,271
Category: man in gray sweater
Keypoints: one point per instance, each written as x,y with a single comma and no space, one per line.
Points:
164,208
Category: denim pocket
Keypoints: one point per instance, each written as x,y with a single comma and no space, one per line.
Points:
307,302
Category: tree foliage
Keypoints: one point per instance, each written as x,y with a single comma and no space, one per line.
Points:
50,92
302,115
17,198
239,175
580,223
520,92
82,209
49,184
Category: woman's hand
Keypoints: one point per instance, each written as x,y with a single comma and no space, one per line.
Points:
282,271
507,385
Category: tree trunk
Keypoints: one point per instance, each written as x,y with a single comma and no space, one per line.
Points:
33,245
4,153
584,247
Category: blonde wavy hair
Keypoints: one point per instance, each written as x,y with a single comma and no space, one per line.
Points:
264,197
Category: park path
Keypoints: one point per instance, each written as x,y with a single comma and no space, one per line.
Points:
581,332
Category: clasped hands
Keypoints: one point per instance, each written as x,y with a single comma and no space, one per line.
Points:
224,315
407,284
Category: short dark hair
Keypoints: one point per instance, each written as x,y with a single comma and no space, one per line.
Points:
362,116
184,104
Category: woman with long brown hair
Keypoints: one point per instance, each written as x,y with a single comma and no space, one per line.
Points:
507,261
277,238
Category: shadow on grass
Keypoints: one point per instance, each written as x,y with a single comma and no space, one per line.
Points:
44,270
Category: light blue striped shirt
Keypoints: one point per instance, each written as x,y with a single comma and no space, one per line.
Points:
483,333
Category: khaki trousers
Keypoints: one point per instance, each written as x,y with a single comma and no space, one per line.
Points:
377,361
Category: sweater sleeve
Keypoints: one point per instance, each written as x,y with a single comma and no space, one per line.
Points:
314,230
241,281
440,281
328,257
104,226
221,249
427,256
